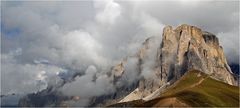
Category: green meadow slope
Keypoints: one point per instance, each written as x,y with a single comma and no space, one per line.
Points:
195,88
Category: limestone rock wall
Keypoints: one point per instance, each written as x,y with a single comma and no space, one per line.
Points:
188,47
182,49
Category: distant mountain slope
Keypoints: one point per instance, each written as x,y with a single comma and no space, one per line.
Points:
182,49
235,68
157,64
195,88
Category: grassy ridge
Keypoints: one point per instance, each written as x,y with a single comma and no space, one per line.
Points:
195,88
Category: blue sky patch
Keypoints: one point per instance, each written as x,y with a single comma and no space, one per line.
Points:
13,32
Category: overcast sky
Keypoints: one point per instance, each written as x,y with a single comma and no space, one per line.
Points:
41,39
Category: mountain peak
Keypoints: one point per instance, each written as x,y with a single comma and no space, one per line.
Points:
188,47
157,66
182,49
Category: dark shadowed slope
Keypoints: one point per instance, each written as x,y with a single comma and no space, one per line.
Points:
195,88
235,68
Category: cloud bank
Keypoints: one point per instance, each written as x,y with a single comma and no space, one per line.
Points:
40,40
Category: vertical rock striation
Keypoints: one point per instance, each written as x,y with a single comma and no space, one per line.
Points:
182,49
188,47
155,67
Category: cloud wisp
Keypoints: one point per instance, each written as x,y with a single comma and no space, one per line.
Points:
40,40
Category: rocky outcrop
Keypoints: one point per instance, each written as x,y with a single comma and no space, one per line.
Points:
156,67
188,47
182,49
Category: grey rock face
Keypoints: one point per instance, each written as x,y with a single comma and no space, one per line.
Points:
182,49
188,47
156,66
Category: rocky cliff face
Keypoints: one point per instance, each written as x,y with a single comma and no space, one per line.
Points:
157,66
188,47
182,49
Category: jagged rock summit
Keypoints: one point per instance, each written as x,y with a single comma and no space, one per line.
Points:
188,47
154,68
182,49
